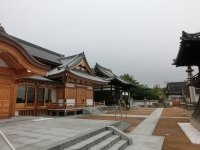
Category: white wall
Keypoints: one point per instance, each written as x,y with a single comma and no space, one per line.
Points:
3,64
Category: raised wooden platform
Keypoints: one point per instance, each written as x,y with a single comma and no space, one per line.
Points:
64,111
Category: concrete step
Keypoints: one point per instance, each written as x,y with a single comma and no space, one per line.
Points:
105,144
120,145
88,143
94,110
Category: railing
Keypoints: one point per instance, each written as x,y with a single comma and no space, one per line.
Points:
33,112
27,112
99,109
102,103
195,77
7,142
123,110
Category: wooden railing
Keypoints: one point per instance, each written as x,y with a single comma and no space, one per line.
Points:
102,103
33,112
27,112
195,77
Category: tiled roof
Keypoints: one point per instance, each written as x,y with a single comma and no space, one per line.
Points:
188,54
72,60
110,76
42,78
86,75
105,71
176,87
40,52
189,36
67,63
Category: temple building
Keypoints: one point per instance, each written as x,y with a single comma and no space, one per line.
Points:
188,56
32,78
116,87
176,91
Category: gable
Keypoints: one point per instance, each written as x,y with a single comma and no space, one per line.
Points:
83,66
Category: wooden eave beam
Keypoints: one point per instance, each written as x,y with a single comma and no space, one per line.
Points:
10,61
38,82
23,58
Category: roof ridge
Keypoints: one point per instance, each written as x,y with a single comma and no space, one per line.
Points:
186,35
104,68
63,58
36,46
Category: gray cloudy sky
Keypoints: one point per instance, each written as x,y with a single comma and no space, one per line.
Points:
137,37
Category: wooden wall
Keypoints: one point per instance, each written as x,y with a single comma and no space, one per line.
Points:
81,95
6,92
70,93
89,94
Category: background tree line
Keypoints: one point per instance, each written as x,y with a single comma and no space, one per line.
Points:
141,91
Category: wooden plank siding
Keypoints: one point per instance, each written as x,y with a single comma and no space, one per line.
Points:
89,94
60,93
6,92
5,101
70,93
81,95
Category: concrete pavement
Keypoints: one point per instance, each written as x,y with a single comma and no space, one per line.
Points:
26,134
142,134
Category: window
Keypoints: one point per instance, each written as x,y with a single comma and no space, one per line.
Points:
27,95
21,94
40,101
48,95
53,96
30,96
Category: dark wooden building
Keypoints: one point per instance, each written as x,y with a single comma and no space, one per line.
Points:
188,55
112,92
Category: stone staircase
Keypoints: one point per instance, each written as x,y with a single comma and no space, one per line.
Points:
95,110
109,138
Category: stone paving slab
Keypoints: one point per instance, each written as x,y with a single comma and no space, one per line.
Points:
118,115
142,134
147,126
24,133
145,142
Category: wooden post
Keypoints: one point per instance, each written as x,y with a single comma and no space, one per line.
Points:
64,80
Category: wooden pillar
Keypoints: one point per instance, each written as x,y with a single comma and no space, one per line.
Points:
64,81
36,99
102,93
14,98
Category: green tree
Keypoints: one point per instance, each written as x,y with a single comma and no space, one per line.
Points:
141,91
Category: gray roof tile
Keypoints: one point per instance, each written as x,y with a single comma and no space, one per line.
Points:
176,87
110,76
67,63
105,71
40,52
86,75
42,78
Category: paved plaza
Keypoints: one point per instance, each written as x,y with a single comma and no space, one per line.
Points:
36,133
26,134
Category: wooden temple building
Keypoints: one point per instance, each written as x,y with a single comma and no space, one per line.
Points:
112,92
176,91
188,56
34,79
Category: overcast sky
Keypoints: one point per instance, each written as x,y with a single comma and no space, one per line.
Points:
127,36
